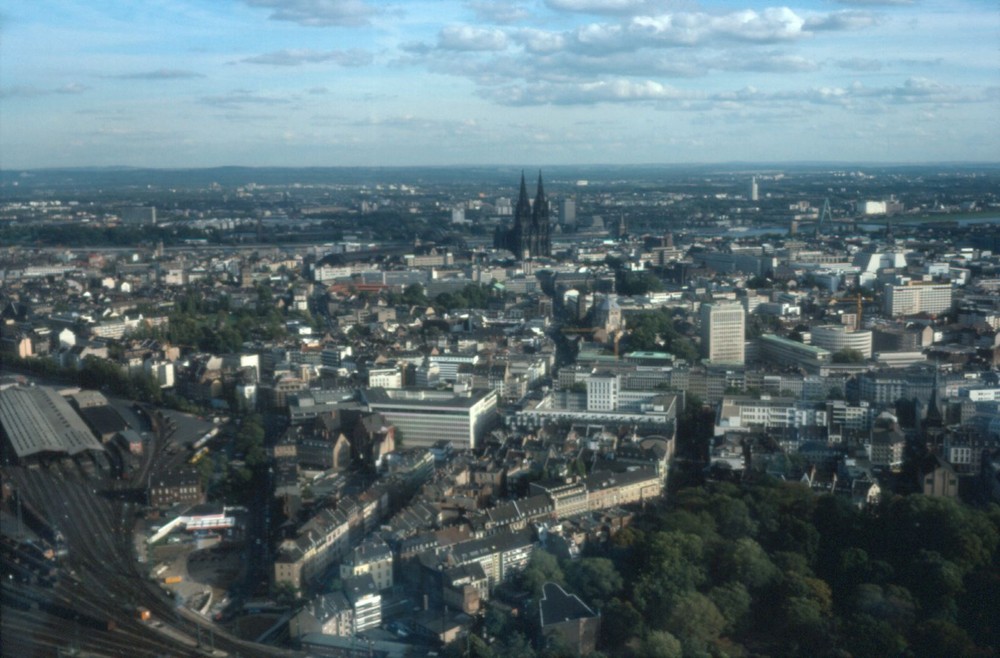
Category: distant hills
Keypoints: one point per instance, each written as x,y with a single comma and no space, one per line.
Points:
123,178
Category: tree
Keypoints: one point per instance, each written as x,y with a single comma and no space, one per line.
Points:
620,623
866,636
938,637
745,561
695,621
661,644
205,468
848,355
595,579
733,601
543,567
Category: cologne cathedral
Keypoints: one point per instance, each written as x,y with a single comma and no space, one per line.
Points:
529,237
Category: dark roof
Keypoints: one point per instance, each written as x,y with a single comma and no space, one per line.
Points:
104,420
356,587
557,606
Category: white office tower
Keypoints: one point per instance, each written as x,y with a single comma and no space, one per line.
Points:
567,212
916,298
754,191
723,325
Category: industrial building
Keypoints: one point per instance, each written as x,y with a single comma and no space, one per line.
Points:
37,422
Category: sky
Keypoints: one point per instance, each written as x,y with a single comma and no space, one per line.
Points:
200,83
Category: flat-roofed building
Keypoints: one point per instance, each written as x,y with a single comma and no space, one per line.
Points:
364,596
424,417
914,299
837,337
501,555
785,352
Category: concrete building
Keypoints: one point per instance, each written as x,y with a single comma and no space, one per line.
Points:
723,328
501,555
365,598
914,299
602,391
785,352
835,337
387,377
424,417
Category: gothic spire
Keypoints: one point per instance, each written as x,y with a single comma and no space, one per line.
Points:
523,209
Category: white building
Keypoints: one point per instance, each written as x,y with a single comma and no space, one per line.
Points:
914,299
602,392
723,328
424,417
874,207
390,377
837,337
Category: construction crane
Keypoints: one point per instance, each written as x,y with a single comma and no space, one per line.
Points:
857,298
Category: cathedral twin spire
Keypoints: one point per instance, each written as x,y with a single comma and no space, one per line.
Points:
529,236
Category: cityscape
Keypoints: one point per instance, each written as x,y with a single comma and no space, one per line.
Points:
526,328
449,412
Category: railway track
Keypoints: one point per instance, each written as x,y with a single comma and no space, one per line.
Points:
106,585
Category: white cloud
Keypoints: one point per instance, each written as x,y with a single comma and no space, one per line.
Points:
601,6
468,37
496,11
159,74
860,64
877,3
841,21
31,91
603,91
769,63
318,13
539,41
241,97
350,58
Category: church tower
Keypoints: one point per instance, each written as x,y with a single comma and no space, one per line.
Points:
530,235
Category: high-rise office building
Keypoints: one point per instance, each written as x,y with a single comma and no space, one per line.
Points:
567,212
914,299
754,190
723,325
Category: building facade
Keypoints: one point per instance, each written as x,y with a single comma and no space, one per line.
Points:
836,337
723,327
914,299
424,417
